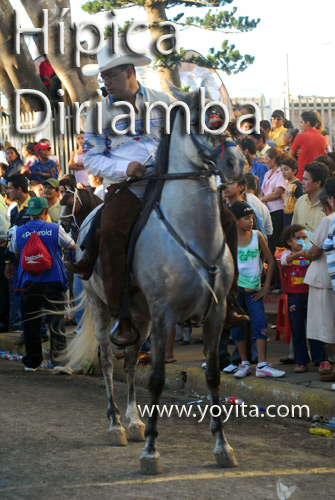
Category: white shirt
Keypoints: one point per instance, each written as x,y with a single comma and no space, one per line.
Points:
264,211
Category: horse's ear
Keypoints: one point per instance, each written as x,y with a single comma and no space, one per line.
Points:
177,93
205,85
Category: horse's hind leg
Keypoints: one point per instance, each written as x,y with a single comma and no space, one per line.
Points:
136,427
223,452
102,324
150,461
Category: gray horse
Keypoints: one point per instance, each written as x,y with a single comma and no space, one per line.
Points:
182,270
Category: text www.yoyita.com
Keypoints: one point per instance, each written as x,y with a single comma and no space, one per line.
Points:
243,410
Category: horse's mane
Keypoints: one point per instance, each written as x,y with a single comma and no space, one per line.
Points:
162,155
89,200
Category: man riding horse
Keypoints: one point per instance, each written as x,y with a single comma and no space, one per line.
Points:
117,158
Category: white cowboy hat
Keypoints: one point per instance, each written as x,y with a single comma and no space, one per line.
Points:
108,60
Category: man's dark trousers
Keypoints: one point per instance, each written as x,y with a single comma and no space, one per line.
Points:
34,298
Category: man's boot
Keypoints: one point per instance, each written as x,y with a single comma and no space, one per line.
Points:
124,334
84,267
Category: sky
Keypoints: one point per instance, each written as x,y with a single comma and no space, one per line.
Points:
289,30
301,31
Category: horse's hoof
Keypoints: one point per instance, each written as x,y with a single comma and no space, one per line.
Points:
225,457
150,464
117,436
135,432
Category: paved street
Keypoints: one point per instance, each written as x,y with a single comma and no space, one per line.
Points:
54,444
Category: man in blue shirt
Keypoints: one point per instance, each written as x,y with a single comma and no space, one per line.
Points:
43,168
44,290
248,147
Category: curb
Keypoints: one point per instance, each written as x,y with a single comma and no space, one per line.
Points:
190,381
254,391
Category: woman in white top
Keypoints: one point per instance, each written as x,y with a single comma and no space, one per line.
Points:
76,164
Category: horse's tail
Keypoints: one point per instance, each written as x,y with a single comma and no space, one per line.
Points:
83,346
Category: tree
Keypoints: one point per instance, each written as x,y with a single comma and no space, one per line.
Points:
228,58
78,87
17,71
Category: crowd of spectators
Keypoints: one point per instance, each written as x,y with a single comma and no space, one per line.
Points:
289,184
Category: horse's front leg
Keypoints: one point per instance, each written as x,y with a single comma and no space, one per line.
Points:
136,427
223,452
150,459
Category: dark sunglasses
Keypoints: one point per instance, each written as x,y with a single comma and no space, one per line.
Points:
277,118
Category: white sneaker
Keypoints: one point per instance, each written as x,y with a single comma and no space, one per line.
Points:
204,365
230,368
28,369
243,371
268,371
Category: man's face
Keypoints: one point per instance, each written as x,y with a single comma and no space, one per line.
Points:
277,121
50,193
308,185
12,193
44,154
116,81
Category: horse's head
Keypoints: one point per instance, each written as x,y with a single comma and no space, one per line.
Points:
215,152
71,206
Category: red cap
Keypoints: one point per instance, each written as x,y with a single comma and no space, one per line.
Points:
41,145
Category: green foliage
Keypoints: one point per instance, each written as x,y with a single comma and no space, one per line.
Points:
227,59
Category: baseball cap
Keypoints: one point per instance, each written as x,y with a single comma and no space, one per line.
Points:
278,112
53,182
36,205
41,145
241,209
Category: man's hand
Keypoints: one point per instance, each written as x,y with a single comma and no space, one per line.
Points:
9,271
52,171
135,169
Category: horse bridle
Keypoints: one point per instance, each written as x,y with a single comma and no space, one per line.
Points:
209,160
75,198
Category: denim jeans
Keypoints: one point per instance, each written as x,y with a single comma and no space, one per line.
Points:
297,307
257,316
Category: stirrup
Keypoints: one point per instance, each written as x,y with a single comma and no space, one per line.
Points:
113,336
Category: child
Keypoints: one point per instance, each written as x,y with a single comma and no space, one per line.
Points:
289,168
294,238
250,246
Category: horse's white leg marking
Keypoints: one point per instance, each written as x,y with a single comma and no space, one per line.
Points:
102,324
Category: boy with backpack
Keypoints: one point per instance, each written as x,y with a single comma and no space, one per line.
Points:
41,280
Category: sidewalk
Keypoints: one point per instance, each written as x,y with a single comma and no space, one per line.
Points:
187,376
